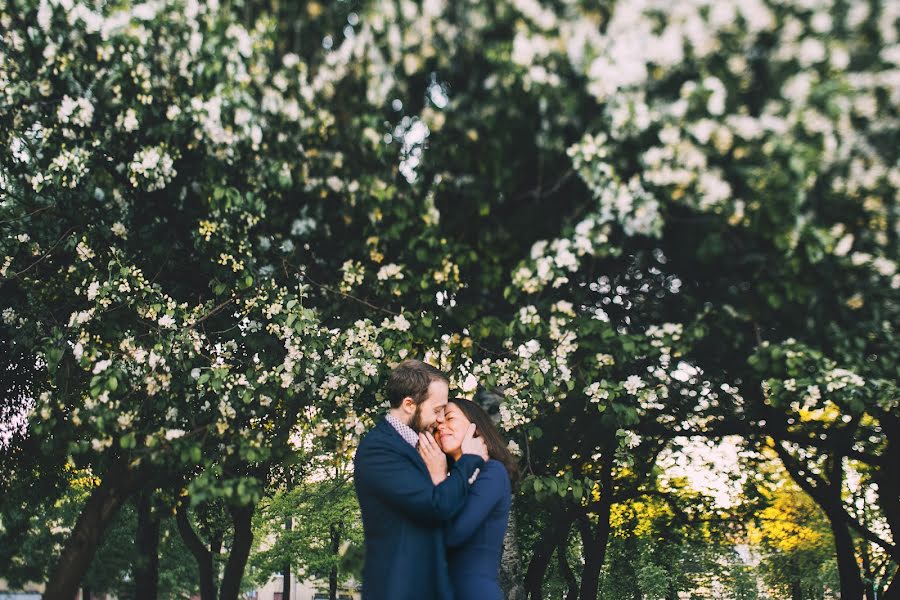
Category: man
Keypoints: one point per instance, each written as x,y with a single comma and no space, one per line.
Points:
403,512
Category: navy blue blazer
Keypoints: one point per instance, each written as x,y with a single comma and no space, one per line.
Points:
475,535
403,516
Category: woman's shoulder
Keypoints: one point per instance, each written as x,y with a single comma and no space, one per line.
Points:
493,464
496,470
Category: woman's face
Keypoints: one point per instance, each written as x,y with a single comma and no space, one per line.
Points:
452,430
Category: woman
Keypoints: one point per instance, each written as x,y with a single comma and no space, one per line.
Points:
474,536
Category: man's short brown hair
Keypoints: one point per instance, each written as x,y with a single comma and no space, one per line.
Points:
411,378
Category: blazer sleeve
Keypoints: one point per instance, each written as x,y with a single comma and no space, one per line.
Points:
399,483
487,491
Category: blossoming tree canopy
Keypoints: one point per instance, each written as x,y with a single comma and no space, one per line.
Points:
219,230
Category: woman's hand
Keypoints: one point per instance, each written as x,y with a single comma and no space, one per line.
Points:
434,458
472,444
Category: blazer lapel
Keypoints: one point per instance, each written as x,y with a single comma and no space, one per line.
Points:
395,439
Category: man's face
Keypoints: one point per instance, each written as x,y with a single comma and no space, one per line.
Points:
430,413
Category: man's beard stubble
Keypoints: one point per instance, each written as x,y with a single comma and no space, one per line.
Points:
416,422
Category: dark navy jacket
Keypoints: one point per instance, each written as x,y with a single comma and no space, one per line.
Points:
403,516
474,537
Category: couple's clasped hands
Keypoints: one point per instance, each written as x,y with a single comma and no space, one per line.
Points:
436,460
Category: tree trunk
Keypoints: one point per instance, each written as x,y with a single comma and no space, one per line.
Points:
511,577
286,581
201,554
596,541
566,570
848,569
558,528
796,590
78,552
85,593
333,574
146,572
827,494
241,517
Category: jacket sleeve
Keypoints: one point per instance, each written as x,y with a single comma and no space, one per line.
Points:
399,483
484,495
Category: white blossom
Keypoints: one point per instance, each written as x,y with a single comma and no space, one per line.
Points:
390,271
528,349
101,366
152,168
633,384
174,434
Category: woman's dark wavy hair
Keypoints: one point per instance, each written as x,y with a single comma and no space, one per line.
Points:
485,428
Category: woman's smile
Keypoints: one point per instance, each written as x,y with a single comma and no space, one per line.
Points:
450,433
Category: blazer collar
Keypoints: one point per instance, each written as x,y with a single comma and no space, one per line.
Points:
394,438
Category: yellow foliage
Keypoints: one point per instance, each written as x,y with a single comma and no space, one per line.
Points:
829,413
638,517
792,522
81,479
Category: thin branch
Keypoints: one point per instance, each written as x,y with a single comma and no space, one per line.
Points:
212,312
331,290
539,194
45,255
26,215
528,455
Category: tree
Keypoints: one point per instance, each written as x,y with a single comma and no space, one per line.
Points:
326,525
798,538
223,223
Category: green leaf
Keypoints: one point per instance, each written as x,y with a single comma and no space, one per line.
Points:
577,491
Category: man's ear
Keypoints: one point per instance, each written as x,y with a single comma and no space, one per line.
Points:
408,404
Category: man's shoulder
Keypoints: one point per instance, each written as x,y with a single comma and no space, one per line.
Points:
378,436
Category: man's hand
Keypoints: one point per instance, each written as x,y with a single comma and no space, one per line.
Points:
474,445
434,458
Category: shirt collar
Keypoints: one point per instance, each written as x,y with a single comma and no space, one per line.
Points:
405,431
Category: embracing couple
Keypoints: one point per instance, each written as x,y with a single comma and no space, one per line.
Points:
434,481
